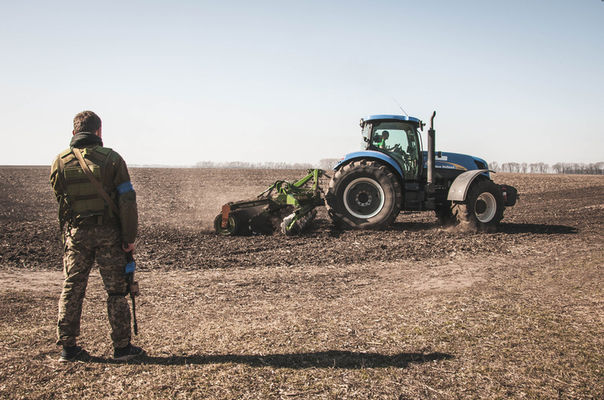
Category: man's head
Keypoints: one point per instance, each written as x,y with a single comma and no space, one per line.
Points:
87,121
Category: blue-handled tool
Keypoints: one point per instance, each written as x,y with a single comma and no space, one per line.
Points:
132,285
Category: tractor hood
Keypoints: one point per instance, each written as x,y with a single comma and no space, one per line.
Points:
460,162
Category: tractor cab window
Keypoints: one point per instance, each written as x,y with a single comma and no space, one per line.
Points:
399,140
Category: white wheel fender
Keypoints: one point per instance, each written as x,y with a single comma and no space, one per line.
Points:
459,188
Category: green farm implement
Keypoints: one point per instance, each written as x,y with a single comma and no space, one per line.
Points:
289,206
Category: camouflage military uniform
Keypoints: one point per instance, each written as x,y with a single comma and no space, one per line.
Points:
92,232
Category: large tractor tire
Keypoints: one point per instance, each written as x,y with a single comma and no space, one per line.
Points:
483,208
364,195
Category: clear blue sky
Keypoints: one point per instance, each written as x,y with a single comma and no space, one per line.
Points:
177,82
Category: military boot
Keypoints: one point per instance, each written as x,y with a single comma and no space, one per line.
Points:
127,353
73,353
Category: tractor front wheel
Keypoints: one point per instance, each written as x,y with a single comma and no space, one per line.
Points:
483,208
364,195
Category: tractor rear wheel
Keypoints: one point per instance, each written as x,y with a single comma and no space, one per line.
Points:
483,208
364,195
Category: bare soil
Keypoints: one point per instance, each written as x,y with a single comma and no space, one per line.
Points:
414,311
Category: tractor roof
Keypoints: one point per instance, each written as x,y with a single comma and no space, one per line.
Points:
391,117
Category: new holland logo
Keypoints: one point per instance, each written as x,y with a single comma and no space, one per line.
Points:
450,165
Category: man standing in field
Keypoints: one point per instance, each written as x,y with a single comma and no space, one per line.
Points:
93,230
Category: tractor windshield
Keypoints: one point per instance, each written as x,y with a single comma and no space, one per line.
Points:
400,141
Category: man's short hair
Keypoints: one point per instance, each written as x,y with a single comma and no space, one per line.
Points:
86,121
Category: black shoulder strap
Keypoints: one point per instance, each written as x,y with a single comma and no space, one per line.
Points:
94,181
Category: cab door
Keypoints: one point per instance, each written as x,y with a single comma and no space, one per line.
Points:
400,141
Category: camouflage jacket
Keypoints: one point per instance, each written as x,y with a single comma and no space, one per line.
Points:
79,202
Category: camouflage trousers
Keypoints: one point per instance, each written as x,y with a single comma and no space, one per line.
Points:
84,246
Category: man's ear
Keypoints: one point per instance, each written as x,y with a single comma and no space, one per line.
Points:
99,132
73,132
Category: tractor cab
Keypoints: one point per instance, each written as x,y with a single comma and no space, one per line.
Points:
397,137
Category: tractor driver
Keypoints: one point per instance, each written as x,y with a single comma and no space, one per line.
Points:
381,143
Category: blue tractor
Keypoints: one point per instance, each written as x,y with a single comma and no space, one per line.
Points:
370,187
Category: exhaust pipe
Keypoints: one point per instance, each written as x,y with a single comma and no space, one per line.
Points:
431,154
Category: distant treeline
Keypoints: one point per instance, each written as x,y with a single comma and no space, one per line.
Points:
252,165
328,164
543,168
325,164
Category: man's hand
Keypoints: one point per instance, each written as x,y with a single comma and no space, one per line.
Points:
128,247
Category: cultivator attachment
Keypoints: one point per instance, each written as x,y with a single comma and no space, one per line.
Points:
284,205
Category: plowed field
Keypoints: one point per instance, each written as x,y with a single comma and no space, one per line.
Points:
414,311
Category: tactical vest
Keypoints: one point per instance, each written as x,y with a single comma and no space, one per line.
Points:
85,204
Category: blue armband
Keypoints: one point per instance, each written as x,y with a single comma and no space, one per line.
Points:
124,188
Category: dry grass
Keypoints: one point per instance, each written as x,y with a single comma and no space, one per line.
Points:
390,330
